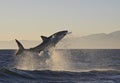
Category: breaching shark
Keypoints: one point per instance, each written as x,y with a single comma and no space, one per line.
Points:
47,42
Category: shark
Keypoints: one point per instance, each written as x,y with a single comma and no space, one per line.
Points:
47,42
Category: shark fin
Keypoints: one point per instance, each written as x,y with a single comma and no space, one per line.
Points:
44,38
21,48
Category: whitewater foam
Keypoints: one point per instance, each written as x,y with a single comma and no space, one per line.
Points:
47,60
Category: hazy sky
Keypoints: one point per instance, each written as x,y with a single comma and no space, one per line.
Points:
28,19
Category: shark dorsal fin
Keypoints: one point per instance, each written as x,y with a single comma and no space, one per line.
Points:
44,38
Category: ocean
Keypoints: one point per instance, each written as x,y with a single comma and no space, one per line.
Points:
61,66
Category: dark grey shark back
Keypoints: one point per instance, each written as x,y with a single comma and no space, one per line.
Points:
41,46
49,41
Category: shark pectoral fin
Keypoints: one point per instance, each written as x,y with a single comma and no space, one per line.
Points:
20,46
44,38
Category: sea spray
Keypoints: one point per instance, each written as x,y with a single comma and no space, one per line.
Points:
53,60
47,60
58,61
26,61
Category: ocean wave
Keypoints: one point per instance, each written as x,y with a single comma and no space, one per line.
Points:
46,76
64,66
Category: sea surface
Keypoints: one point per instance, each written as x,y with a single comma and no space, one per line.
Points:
61,66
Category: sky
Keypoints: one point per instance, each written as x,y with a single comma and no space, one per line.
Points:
29,19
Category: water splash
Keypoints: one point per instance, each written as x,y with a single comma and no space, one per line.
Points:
47,60
26,61
58,61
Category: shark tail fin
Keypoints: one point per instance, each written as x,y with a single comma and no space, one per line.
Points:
21,48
